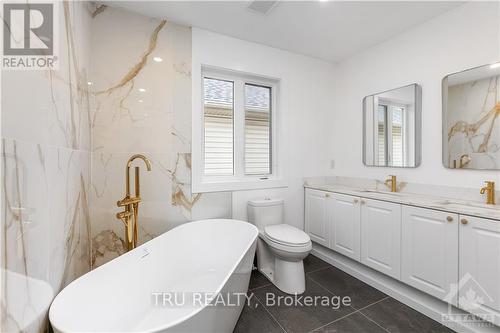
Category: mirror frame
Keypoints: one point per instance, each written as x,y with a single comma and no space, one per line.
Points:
418,128
444,127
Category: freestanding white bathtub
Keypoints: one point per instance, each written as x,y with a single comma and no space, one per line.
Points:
157,286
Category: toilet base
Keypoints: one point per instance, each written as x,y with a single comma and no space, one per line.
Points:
287,276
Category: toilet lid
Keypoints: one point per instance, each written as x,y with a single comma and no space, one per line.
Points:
286,234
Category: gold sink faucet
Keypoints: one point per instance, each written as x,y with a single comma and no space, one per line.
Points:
130,215
489,189
393,182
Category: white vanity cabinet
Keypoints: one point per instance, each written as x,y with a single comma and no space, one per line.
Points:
381,236
479,266
365,230
429,251
345,219
316,221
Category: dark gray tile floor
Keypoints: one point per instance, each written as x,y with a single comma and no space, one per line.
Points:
370,311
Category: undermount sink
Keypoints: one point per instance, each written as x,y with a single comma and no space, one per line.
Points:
452,204
382,192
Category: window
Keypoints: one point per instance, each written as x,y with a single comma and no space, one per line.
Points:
382,137
238,133
391,138
219,124
257,130
397,136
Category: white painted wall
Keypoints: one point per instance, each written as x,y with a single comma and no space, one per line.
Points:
323,102
466,37
306,99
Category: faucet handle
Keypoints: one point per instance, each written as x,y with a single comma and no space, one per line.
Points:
390,179
128,201
124,216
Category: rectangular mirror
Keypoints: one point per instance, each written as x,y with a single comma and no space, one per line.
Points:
471,130
391,128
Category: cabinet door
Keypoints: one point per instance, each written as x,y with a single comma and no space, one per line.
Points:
429,258
381,236
344,217
315,216
479,286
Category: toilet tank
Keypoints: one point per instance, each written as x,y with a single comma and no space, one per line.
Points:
265,212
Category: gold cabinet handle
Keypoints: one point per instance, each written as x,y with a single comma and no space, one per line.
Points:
464,221
449,219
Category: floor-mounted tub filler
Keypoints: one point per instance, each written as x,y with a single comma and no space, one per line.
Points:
191,279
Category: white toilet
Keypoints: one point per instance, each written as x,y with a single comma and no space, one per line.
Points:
281,247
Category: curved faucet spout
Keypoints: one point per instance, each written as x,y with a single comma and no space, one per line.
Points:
131,214
142,157
127,176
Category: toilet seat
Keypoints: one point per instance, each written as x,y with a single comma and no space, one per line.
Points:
284,235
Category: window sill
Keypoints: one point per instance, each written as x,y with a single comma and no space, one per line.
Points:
238,185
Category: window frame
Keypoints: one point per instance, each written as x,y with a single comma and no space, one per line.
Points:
239,180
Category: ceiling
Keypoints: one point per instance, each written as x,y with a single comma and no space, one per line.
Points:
329,30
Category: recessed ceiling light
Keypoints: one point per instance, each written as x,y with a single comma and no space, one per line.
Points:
495,65
142,90
140,101
157,59
89,83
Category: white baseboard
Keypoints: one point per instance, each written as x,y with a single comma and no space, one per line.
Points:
421,302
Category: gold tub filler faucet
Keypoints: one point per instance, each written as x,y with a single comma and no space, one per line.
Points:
130,215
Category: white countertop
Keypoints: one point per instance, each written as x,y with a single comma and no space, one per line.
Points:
418,200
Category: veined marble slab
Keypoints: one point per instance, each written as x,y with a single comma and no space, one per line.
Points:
464,207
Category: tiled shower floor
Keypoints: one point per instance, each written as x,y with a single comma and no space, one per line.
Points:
370,310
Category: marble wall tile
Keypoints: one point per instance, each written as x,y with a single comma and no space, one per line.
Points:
473,109
69,178
25,233
108,177
58,105
69,109
132,93
142,106
16,108
46,177
46,224
25,208
165,191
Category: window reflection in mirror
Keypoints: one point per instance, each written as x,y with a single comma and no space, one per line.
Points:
392,128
